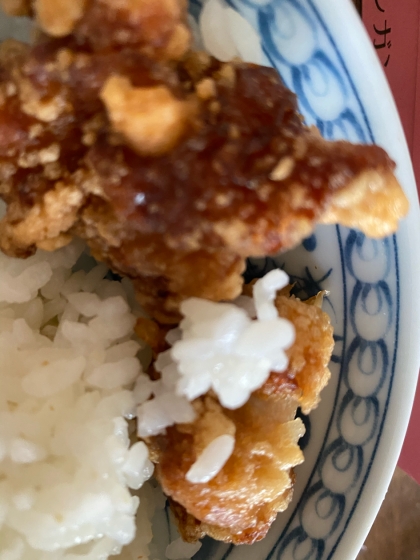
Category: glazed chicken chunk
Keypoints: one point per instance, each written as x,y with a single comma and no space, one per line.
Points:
172,166
240,503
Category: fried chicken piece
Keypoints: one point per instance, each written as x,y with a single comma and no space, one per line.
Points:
46,129
17,7
310,354
158,29
240,503
174,172
250,180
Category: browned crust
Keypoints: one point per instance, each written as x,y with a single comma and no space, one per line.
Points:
241,502
229,170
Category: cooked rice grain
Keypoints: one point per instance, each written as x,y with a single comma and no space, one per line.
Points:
67,362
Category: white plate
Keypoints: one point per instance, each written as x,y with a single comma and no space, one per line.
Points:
354,438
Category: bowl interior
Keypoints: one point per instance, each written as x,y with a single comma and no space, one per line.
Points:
364,411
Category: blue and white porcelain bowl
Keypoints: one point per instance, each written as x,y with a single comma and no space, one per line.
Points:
354,438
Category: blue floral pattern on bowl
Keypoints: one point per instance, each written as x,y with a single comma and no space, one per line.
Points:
296,41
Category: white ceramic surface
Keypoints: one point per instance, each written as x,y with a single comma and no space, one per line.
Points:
354,437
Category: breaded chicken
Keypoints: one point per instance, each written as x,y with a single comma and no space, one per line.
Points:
240,503
158,29
172,166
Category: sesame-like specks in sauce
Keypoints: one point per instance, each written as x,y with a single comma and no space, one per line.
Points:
283,169
35,131
234,131
29,159
11,89
226,76
206,89
49,154
53,170
215,107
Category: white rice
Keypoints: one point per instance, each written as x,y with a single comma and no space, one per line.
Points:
67,360
211,460
230,348
71,380
228,35
218,346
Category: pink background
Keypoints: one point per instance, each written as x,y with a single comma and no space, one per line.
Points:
403,72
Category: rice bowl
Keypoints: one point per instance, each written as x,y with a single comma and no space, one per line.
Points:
78,333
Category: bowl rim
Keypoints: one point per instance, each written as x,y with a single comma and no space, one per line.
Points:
360,58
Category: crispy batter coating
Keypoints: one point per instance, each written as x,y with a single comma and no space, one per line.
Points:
158,29
241,502
310,354
152,120
172,166
17,7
